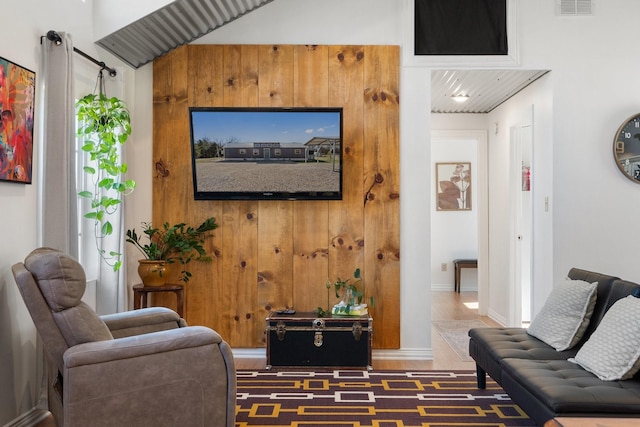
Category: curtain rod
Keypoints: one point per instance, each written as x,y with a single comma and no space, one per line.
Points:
55,37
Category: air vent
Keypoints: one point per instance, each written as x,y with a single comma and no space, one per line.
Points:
574,7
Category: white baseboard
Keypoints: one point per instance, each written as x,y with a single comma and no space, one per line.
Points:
497,317
400,354
250,353
29,419
403,354
449,287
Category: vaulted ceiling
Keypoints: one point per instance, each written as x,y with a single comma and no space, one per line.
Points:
183,21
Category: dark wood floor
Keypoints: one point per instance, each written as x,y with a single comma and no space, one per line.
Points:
445,305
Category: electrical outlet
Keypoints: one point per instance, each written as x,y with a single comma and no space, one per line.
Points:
443,266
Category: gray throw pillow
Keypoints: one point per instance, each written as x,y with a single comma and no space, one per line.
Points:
565,315
612,352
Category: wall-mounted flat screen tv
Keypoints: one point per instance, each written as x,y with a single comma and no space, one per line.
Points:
266,153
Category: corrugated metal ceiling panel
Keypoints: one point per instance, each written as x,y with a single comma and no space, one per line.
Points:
175,24
486,89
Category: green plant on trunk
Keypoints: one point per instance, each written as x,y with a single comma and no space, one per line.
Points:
352,295
103,125
174,243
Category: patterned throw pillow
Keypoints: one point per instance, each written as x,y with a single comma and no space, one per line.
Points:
565,315
613,350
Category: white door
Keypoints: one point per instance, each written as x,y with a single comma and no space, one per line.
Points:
521,236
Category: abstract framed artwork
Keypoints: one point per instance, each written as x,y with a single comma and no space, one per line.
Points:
17,105
453,186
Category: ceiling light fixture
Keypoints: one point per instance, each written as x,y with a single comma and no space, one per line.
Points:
460,98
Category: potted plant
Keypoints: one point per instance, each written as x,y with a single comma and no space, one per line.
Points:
351,298
104,124
169,244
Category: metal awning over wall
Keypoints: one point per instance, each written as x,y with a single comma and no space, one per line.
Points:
172,26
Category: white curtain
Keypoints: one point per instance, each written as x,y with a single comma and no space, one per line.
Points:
63,225
58,159
57,223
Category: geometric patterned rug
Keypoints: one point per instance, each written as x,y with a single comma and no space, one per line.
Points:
361,398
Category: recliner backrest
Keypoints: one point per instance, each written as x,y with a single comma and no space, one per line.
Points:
62,281
54,343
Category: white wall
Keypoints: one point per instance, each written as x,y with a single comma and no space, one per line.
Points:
595,84
517,111
468,277
21,31
109,16
454,234
462,121
24,21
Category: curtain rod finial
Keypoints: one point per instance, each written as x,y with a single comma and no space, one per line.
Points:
54,37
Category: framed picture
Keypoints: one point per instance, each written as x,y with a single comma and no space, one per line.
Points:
17,105
453,186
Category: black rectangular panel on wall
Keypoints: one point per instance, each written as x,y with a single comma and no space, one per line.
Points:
461,27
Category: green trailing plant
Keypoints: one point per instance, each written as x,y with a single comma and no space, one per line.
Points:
103,125
179,243
350,292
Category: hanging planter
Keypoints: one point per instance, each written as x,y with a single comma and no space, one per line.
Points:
104,124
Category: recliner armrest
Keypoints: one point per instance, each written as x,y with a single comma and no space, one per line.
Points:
143,321
140,345
187,373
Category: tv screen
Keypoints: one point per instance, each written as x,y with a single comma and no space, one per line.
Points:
266,153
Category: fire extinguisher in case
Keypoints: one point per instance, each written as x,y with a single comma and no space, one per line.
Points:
526,178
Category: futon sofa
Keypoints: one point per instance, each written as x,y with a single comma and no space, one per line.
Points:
546,382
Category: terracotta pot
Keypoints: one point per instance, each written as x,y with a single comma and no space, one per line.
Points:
152,272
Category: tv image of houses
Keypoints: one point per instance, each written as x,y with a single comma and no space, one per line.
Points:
282,151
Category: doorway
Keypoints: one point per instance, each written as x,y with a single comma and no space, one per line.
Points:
461,146
496,298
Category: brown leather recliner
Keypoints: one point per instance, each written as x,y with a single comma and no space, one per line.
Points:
138,368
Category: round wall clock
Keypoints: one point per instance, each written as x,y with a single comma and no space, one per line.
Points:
626,148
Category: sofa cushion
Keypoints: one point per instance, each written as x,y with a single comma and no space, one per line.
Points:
502,343
613,351
565,315
489,346
548,388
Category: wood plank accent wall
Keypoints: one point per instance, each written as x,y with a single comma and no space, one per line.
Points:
275,254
